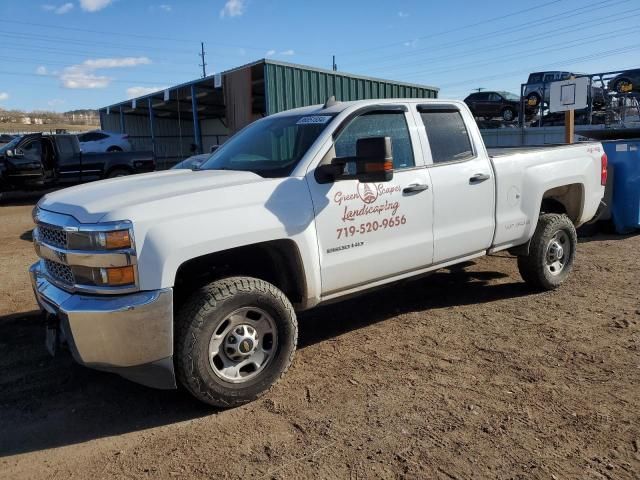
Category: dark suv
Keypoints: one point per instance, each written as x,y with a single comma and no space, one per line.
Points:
494,104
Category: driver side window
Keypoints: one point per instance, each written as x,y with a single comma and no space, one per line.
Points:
33,150
379,124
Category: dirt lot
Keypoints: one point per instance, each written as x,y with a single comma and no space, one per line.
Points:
465,374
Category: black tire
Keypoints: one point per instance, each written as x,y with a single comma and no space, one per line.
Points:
113,149
535,268
205,313
508,114
118,172
620,85
533,100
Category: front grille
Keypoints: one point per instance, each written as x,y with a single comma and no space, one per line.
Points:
59,272
52,236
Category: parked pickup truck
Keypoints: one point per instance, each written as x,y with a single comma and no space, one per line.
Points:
37,161
196,276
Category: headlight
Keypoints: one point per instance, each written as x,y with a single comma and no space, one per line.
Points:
104,277
114,240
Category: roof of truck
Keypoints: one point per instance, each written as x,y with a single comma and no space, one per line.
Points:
339,107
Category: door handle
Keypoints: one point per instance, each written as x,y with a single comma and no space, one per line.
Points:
479,178
415,187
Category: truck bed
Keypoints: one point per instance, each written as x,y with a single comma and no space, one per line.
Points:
503,151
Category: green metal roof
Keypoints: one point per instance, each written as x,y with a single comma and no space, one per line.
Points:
289,85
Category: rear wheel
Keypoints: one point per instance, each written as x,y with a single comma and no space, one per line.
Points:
623,85
235,338
508,114
533,100
551,252
114,149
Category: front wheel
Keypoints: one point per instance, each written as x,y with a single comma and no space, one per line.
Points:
551,253
508,114
235,338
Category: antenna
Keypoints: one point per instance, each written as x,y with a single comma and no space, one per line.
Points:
333,64
203,64
331,101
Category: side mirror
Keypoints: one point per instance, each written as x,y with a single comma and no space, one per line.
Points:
17,153
374,159
214,148
373,163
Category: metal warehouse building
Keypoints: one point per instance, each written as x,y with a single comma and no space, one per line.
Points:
194,116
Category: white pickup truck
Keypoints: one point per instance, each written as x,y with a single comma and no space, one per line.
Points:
197,275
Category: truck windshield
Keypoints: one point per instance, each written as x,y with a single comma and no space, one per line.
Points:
10,145
270,147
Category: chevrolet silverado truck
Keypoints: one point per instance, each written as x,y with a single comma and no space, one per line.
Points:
194,277
37,161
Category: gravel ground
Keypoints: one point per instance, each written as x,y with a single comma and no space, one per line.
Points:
464,374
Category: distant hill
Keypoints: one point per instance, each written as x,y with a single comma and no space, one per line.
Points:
39,117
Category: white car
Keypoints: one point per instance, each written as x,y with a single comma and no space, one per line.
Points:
98,141
196,276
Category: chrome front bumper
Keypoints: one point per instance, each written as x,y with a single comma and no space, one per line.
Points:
131,335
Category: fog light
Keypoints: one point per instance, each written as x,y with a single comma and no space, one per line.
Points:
118,276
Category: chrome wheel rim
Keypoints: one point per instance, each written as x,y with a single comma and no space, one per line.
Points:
243,344
558,253
507,115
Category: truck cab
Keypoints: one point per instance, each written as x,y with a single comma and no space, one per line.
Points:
36,161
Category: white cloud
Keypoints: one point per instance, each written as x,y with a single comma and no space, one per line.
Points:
285,53
133,92
42,70
55,102
413,43
233,8
58,9
84,75
166,8
4,96
94,5
402,14
116,62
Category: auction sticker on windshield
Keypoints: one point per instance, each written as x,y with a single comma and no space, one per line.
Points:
314,120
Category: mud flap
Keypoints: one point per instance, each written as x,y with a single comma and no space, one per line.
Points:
52,334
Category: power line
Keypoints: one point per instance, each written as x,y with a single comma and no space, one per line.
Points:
580,26
121,33
111,80
502,58
509,30
457,29
73,41
606,53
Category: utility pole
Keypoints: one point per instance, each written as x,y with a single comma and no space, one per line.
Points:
203,64
479,89
334,66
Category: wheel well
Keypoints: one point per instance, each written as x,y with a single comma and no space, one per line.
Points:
277,262
568,199
118,167
114,148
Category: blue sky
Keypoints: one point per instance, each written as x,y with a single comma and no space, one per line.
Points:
61,55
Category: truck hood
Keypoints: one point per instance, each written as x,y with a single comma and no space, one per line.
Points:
102,200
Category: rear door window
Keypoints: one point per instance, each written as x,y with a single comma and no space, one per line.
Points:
447,133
